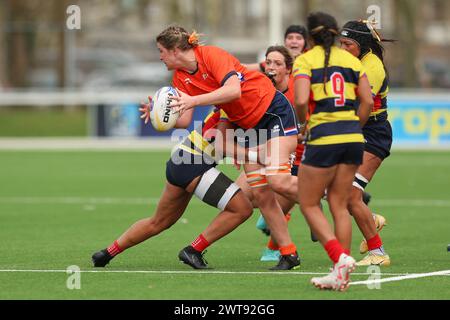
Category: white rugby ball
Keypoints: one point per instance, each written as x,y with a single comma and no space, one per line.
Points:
161,115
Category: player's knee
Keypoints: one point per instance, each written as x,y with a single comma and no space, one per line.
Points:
157,224
241,206
263,196
276,176
279,186
355,197
307,207
339,208
355,201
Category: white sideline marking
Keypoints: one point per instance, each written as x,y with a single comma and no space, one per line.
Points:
145,201
78,200
194,272
411,203
87,144
403,277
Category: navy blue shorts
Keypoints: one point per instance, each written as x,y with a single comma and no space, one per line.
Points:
182,173
278,121
378,138
294,170
325,156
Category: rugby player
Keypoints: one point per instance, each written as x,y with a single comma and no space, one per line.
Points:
328,80
362,41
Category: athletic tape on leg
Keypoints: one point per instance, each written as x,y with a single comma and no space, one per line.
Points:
256,179
216,189
360,182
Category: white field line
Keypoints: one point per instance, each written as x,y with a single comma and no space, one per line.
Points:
397,276
146,201
403,277
193,272
78,200
87,144
411,203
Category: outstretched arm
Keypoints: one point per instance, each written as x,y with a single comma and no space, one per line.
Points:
230,91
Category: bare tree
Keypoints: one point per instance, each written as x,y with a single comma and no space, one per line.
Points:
17,37
59,13
406,19
3,76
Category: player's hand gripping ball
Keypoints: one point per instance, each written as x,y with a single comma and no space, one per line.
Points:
159,111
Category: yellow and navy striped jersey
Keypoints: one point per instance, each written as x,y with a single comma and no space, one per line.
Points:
378,80
333,118
200,140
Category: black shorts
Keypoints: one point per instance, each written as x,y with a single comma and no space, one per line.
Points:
378,138
181,173
325,156
279,120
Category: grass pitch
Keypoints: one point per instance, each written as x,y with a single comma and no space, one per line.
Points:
57,208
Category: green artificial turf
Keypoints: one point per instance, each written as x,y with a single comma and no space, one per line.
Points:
57,208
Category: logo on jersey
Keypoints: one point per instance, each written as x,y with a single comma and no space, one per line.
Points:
187,81
276,129
205,76
240,77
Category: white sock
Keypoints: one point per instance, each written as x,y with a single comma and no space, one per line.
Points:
378,252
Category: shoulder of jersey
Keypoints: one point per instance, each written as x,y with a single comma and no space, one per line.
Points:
211,48
372,60
347,54
308,53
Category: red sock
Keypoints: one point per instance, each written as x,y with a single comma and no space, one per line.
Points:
289,249
334,250
272,245
287,216
200,243
374,243
347,252
114,249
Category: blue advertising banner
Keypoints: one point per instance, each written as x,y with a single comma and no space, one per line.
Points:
123,120
420,123
419,120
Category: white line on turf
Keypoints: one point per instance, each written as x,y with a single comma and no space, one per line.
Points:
411,202
403,277
78,200
199,272
147,201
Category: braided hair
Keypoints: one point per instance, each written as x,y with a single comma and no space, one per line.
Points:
323,28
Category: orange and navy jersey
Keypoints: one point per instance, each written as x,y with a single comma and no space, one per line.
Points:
200,140
378,80
333,118
290,95
215,67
